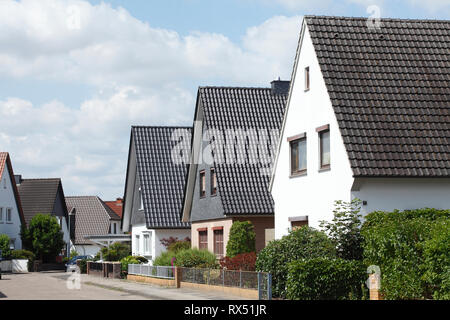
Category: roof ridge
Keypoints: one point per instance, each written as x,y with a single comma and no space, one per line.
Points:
40,179
235,87
366,18
166,127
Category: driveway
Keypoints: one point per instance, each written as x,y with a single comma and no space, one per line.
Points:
66,286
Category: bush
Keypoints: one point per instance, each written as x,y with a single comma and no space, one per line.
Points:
242,261
124,262
241,239
195,258
116,252
141,259
4,246
325,279
179,245
22,254
302,243
73,254
345,229
409,247
83,265
166,242
188,258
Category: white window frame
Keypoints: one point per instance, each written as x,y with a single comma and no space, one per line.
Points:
137,241
8,215
147,243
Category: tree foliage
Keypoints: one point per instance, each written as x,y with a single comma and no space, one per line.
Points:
242,238
43,237
4,246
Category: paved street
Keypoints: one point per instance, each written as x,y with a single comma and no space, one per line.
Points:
54,286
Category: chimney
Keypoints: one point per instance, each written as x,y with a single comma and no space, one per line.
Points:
119,201
18,179
280,86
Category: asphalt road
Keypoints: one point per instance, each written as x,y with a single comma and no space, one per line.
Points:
66,286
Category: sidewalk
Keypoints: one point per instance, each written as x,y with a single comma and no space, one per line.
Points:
153,292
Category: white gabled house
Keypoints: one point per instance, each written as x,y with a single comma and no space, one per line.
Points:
154,188
11,214
367,117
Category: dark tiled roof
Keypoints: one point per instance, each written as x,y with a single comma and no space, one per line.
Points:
38,196
390,92
162,181
243,188
5,162
92,217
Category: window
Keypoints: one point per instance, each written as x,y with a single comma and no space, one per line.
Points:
12,244
1,215
203,238
147,244
324,146
141,205
202,184
137,238
9,215
298,154
306,78
115,228
218,242
213,182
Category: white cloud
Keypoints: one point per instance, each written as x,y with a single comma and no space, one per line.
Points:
141,76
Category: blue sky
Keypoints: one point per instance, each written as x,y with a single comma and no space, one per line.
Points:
76,74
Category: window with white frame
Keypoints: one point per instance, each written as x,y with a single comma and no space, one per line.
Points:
8,215
136,246
1,215
147,244
307,80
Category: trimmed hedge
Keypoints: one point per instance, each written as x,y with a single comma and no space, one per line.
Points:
411,248
325,279
302,243
188,258
22,254
242,261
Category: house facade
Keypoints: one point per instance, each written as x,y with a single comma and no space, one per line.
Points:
367,117
235,131
11,214
45,196
93,224
154,188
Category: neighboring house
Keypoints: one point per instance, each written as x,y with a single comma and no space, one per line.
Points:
45,196
93,224
116,206
233,187
11,214
367,117
154,188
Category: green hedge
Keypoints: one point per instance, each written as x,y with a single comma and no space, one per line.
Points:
242,238
188,258
411,248
22,254
302,243
326,279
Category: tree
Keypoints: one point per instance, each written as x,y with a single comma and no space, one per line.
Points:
115,252
241,239
345,229
43,237
4,246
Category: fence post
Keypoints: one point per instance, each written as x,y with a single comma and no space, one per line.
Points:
240,278
269,286
177,277
223,278
88,266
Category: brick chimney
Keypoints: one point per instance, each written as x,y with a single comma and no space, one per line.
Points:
280,86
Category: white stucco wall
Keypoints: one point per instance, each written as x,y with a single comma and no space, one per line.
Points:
7,200
312,194
85,249
402,193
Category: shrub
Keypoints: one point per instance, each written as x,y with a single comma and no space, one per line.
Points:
73,254
166,242
4,246
22,254
164,259
241,239
141,259
179,245
195,258
43,237
116,252
189,258
83,265
124,262
325,279
242,261
408,247
345,229
302,243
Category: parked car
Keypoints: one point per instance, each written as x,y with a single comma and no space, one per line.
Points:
71,265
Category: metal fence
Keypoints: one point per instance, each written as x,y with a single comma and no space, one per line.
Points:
151,271
97,266
261,281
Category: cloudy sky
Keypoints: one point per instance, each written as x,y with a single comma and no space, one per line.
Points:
75,75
